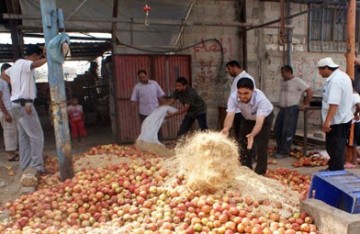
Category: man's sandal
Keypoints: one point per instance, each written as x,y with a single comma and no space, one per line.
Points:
14,158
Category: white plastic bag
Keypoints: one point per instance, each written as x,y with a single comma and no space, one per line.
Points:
152,124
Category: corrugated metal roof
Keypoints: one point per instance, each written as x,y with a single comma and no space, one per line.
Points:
79,51
97,16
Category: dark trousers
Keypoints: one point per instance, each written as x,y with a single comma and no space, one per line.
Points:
160,136
335,142
236,126
260,147
188,122
285,128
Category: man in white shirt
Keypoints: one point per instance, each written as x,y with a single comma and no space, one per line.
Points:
147,94
336,111
255,128
30,133
234,69
6,119
291,91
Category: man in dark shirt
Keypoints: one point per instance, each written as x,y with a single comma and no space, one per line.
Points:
193,105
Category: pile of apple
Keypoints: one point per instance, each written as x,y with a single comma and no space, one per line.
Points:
137,198
296,153
51,163
118,150
311,161
291,178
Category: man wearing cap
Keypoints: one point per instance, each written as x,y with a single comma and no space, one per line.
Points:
30,133
336,111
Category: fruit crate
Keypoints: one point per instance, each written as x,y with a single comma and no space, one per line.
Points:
340,189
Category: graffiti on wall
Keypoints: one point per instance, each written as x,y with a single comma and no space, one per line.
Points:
305,67
208,57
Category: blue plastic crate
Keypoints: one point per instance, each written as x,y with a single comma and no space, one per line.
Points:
340,189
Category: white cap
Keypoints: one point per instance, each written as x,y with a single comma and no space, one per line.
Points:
327,62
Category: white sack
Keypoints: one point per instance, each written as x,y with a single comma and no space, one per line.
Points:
152,124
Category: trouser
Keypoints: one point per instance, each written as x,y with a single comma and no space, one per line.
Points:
260,147
159,134
188,122
31,137
285,128
10,133
77,129
236,126
335,142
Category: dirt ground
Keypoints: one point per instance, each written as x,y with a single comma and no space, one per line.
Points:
10,173
97,135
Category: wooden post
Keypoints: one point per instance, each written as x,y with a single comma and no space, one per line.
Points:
350,53
282,37
57,92
16,34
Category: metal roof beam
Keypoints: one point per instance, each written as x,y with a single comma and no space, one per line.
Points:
141,21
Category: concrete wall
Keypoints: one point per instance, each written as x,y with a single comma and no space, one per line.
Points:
264,53
209,77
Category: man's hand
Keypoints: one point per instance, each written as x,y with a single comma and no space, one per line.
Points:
302,106
28,109
326,127
250,140
356,116
8,117
168,115
44,51
357,61
225,132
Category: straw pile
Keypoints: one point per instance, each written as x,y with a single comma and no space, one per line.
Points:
208,160
210,164
153,148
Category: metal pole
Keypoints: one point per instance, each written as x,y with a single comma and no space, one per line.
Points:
289,32
282,38
17,36
57,92
351,22
305,131
182,26
166,22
